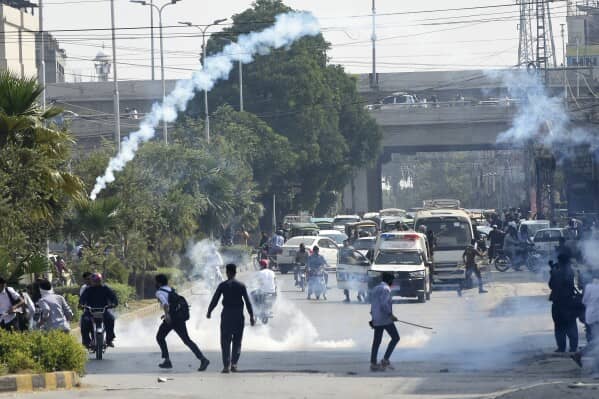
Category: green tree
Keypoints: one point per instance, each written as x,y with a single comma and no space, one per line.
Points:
315,106
37,185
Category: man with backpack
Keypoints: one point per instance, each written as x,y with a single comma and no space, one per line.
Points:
176,314
10,304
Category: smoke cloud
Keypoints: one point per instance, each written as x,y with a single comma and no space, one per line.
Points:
287,29
541,117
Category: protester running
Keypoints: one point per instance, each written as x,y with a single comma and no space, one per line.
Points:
173,319
381,310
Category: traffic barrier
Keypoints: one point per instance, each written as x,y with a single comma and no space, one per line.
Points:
39,382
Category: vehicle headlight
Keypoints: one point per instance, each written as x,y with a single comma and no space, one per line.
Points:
418,274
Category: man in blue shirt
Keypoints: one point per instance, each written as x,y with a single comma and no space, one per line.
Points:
381,309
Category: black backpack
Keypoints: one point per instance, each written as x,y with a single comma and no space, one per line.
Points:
178,308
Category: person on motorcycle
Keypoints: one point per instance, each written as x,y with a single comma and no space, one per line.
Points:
276,243
496,237
301,259
316,269
263,240
511,243
267,283
97,295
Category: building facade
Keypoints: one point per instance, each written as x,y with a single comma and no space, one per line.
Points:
18,27
56,59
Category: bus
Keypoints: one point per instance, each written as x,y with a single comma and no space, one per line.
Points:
452,229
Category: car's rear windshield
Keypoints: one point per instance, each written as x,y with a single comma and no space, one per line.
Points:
398,258
296,241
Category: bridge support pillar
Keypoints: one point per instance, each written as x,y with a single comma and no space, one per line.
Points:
364,193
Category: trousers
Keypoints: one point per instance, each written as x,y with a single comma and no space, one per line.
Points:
378,338
472,268
565,327
232,324
180,327
87,328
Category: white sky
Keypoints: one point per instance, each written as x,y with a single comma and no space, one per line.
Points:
412,42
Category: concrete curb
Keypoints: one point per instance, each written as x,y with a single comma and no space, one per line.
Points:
39,382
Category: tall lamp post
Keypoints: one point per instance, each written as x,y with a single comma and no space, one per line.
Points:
160,9
117,100
204,30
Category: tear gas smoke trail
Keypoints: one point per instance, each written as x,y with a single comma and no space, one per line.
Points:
287,29
540,117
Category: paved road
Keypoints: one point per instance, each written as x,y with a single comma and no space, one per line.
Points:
482,346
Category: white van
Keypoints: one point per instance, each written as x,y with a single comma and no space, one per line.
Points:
452,229
407,256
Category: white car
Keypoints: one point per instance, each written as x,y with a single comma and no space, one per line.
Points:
334,235
328,249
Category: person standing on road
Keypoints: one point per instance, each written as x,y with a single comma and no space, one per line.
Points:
232,321
590,300
345,257
381,310
562,287
170,323
469,258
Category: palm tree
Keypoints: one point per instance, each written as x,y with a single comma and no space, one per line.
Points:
35,150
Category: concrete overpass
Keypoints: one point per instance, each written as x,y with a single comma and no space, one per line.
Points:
412,129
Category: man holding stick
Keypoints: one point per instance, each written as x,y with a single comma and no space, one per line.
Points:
381,309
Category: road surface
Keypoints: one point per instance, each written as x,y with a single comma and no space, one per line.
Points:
498,344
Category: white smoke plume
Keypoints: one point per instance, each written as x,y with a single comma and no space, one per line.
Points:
287,29
541,117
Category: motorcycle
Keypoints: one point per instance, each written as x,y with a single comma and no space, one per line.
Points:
526,255
98,343
317,283
263,303
300,271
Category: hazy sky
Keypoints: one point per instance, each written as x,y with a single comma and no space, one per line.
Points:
409,39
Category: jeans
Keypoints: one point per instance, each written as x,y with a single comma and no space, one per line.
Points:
565,327
232,324
378,337
87,328
180,327
469,270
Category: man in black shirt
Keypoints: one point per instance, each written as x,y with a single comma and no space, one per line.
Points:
98,296
232,321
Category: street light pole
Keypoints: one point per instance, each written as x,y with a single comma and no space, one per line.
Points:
117,101
206,109
42,53
152,38
160,9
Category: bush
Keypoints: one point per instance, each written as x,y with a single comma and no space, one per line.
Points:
124,292
73,301
40,352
